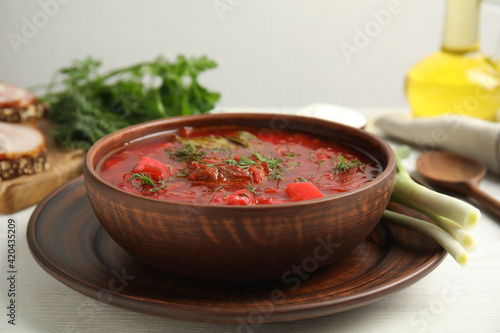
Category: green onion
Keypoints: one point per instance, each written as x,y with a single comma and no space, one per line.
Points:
454,229
452,217
406,188
436,233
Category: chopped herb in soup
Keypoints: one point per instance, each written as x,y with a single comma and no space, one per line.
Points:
237,166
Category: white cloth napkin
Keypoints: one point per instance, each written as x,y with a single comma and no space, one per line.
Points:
471,137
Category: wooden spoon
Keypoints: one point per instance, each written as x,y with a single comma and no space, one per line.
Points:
459,174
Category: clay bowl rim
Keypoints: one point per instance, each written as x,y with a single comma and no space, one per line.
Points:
89,169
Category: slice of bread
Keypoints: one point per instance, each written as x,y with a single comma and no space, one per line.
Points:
19,105
22,150
22,144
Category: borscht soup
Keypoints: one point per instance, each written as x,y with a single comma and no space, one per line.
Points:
237,166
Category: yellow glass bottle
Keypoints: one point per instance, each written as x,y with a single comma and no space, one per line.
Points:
458,78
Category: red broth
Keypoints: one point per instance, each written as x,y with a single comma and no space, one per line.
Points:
237,166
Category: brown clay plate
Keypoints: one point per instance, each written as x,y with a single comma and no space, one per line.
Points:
66,239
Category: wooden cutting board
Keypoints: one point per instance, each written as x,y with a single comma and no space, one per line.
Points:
62,166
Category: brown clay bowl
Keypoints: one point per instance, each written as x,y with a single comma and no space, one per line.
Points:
241,243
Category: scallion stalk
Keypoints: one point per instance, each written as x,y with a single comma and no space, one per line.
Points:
450,244
452,217
434,202
454,229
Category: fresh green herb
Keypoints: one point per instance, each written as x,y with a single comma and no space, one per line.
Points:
290,166
289,154
85,104
243,162
163,184
452,216
246,163
344,165
144,177
209,164
301,180
274,165
259,156
231,160
252,188
147,180
276,175
320,163
181,173
188,153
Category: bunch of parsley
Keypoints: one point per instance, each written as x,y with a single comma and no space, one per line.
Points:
86,105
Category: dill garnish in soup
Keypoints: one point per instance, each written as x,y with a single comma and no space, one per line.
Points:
237,166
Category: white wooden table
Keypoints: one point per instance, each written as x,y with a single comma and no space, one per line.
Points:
449,299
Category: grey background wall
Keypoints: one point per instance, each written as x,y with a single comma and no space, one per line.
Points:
277,53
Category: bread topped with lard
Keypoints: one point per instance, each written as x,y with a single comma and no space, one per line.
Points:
22,144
